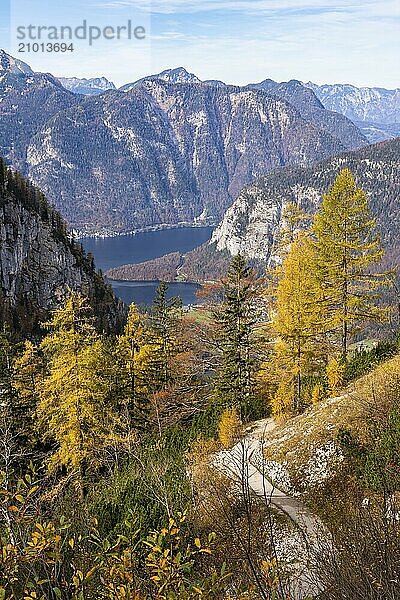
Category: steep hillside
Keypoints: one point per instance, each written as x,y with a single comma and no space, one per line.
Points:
250,226
39,262
303,453
27,101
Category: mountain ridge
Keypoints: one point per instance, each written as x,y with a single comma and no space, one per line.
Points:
161,152
87,87
375,110
252,223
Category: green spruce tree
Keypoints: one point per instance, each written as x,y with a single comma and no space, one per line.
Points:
236,319
163,325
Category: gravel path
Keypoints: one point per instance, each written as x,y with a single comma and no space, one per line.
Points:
245,461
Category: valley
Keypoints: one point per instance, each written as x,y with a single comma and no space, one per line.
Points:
113,254
199,308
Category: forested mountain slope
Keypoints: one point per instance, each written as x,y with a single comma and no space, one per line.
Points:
27,101
40,263
251,225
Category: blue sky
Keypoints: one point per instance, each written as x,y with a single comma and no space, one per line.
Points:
238,41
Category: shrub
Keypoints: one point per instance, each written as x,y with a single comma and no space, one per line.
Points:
229,427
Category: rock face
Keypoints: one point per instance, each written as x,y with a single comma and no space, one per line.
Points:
375,110
27,101
39,263
311,109
179,75
250,226
170,150
87,87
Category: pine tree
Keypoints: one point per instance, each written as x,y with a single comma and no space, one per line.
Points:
348,247
74,409
16,415
298,317
236,323
3,175
163,325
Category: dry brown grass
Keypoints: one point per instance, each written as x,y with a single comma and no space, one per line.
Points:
295,442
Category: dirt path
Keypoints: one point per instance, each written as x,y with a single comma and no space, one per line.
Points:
245,461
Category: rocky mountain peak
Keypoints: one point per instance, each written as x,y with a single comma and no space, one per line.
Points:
177,75
9,64
87,87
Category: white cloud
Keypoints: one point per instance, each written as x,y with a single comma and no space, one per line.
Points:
354,41
248,6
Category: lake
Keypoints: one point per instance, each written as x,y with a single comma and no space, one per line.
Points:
131,249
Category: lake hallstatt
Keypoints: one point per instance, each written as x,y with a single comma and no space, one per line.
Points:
132,249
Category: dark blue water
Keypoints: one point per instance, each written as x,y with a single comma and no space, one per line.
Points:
131,249
142,293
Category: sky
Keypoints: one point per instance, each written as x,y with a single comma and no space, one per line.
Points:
237,41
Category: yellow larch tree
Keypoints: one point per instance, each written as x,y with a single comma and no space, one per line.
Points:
229,427
348,249
298,317
134,355
74,409
335,374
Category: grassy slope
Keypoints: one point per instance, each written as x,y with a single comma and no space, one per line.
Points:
305,444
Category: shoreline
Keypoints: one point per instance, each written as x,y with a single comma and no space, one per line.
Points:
140,282
80,235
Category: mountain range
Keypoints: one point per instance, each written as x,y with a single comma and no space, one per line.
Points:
375,110
161,152
169,149
87,87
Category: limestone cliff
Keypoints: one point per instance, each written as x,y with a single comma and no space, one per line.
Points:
40,262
